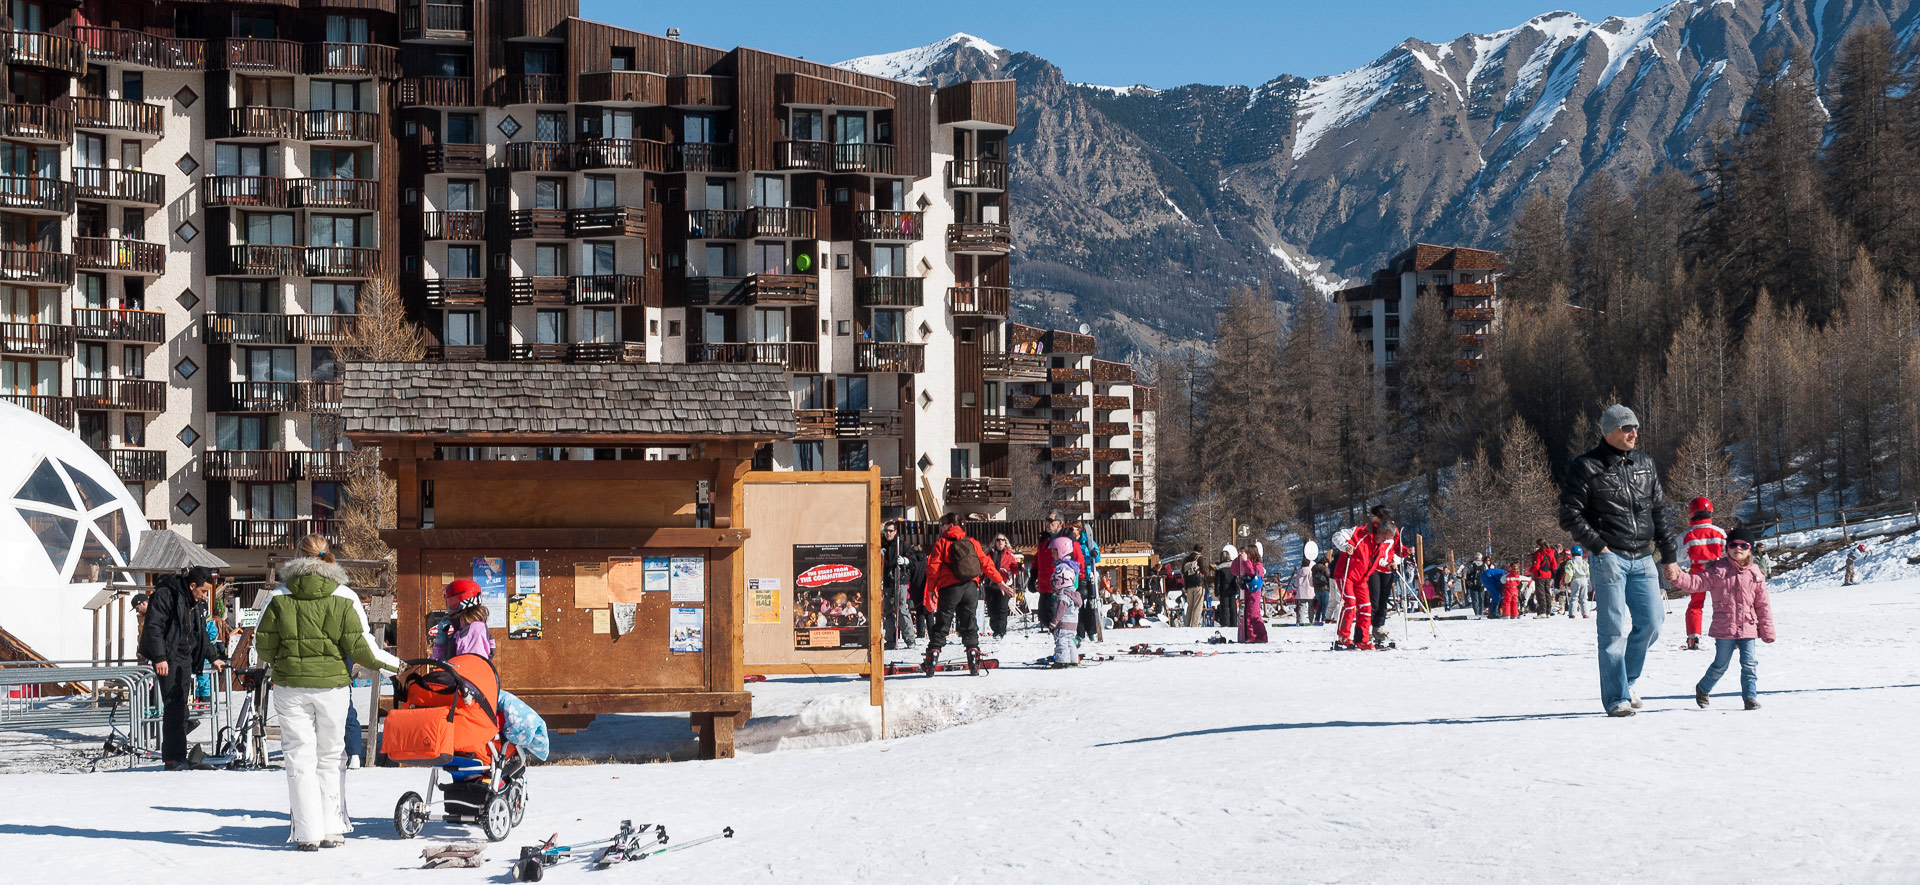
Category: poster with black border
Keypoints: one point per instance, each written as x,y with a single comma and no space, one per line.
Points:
829,596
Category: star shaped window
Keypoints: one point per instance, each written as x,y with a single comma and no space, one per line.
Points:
78,522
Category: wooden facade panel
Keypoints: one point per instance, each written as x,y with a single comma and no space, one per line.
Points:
759,110
798,87
978,101
473,504
968,381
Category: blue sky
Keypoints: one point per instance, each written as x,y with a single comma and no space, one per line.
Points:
1110,42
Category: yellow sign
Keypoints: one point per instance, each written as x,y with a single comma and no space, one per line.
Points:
1116,560
763,600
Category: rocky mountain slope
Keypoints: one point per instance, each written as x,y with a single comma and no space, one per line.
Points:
1139,209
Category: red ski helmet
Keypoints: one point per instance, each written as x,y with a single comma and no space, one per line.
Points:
1702,505
462,594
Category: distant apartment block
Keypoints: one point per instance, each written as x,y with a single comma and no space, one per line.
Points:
1461,281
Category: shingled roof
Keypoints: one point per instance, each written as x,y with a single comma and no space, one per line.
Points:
665,401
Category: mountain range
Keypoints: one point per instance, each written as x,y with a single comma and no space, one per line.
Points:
1139,210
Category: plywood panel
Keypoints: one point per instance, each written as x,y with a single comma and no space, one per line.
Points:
783,514
563,503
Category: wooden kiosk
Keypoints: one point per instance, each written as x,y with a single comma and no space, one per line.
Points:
613,585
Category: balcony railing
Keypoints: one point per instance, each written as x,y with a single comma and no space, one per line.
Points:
1067,428
252,191
39,49
1109,372
335,193
101,324
845,423
135,465
455,292
261,122
607,352
36,266
537,290
455,92
1071,342
610,289
620,153
257,56
120,185
979,300
980,238
35,194
342,261
717,224
1069,480
888,291
442,157
1109,455
1067,401
889,224
607,221
1069,376
790,222
1017,366
58,409
1068,453
436,21
272,465
979,490
459,224
116,114
254,260
1473,314
36,339
37,122
542,223
893,491
795,356
1111,403
353,60
702,157
771,289
824,156
120,394
1470,340
977,174
540,156
143,49
284,396
1112,428
276,534
278,328
456,353
1018,431
127,256
1112,481
354,127
889,356
534,89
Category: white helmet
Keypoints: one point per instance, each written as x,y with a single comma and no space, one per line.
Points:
1227,551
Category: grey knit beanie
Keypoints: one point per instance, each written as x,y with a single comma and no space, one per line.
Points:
1615,417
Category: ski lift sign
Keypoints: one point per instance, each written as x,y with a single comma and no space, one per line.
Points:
829,596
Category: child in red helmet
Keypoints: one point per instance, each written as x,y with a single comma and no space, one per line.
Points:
1704,543
464,632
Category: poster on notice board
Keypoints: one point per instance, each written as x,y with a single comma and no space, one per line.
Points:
829,596
490,572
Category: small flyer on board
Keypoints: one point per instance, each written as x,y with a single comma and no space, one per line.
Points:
685,630
689,582
490,572
523,616
763,600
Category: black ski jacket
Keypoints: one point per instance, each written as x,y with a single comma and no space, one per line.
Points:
1613,499
176,628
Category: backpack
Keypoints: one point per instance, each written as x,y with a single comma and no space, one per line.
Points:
963,562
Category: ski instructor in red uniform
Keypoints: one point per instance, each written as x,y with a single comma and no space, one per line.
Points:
1352,570
1705,543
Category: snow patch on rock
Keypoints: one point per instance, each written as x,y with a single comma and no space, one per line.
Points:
911,64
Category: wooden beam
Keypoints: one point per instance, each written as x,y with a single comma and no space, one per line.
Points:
568,703
551,470
564,539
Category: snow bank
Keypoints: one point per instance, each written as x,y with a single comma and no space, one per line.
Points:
1886,559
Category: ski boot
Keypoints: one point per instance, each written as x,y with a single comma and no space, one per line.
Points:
973,662
926,664
1693,643
1364,645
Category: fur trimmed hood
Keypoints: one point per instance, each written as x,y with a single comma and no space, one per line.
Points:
305,566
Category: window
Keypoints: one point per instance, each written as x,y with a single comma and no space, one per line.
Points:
850,128
246,159
245,432
620,59
93,430
804,125
339,230
462,128
890,194
769,324
550,259
811,391
460,193
550,193
538,61
770,258
550,327
267,500
346,29
258,25
341,163
26,16
133,361
612,123
697,128
463,328
329,298
720,261
600,259
133,86
719,193
92,359
452,64
30,377
90,220
550,126
265,92
853,455
889,261
596,325
89,152
888,325
960,464
598,193
464,262
852,392
93,293
130,156
133,430
334,95
326,366
769,190
326,500
267,228
41,161
267,363
329,434
247,296
995,404
133,223
807,456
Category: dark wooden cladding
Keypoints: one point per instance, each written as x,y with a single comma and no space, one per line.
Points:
454,92
536,18
978,101
802,88
623,87
758,113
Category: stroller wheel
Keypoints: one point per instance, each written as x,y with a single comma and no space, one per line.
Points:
516,803
496,819
410,815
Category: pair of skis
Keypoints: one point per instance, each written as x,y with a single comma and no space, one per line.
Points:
1161,652
942,667
631,843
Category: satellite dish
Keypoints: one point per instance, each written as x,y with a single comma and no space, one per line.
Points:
1085,329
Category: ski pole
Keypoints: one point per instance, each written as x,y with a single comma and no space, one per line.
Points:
726,833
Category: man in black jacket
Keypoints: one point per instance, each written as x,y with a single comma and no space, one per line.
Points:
175,640
1612,504
893,585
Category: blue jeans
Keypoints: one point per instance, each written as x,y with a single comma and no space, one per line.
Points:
1749,666
1624,588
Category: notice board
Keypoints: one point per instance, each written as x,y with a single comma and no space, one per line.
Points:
810,599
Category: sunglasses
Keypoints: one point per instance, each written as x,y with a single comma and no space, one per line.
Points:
1631,428
1739,545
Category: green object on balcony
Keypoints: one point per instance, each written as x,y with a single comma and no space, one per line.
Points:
804,262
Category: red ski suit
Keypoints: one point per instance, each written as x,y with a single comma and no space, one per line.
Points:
1352,572
1704,543
1510,600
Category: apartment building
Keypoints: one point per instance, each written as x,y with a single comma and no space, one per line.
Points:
1462,281
196,198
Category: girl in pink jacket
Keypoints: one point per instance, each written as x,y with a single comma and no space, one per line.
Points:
1741,614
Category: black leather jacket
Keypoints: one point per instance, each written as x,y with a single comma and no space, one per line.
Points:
1613,499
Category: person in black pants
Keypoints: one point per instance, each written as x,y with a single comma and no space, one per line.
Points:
893,585
175,640
1380,583
917,589
957,594
999,601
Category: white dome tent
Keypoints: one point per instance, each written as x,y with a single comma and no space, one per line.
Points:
65,521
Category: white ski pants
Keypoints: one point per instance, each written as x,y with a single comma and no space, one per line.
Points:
313,723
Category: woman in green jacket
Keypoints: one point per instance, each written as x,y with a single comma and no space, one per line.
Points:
310,639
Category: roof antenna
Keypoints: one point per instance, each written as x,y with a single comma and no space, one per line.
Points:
673,33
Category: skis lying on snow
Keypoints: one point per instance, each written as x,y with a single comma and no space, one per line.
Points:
534,859
1047,662
942,667
1145,649
725,833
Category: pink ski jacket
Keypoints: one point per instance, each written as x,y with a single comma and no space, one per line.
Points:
1740,606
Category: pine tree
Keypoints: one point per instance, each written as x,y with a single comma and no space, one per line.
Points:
381,333
1869,160
1537,259
1238,445
1462,514
1530,501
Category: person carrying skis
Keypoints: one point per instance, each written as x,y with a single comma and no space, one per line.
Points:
954,572
1705,544
1353,569
1741,614
896,604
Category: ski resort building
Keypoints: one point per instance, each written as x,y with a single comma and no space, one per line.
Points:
1461,281
199,198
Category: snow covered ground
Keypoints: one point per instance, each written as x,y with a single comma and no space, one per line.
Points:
1477,755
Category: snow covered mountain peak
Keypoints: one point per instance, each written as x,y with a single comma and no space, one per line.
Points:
912,64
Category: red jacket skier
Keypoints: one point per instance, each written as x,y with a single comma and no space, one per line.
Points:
1704,543
1353,569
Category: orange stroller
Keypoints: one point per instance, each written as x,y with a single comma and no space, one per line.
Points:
446,717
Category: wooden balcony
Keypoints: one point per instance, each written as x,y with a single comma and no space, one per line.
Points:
991,490
37,122
120,394
1470,340
607,221
846,423
125,256
1110,372
794,356
283,396
436,21
539,156
538,353
455,292
58,409
985,103
245,191
1472,314
1014,366
436,92
758,289
1111,403
271,465
142,49
1112,508
278,328
874,158
455,225
607,352
622,290
620,153
353,60
533,89
700,91
279,124
1069,507
1109,456
1057,341
1066,401
1069,376
342,261
1145,399
888,291
256,56
36,266
254,260
537,290
274,534
979,238
1015,431
1467,365
1471,290
98,324
39,49
1112,428
1067,428
783,222
457,353
135,465
979,300
120,186
1069,480
623,87
718,224
977,175
116,115
1112,480
1068,454
826,156
702,157
806,89
462,158
343,127
335,193
36,339
889,356
546,224
888,225
31,193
